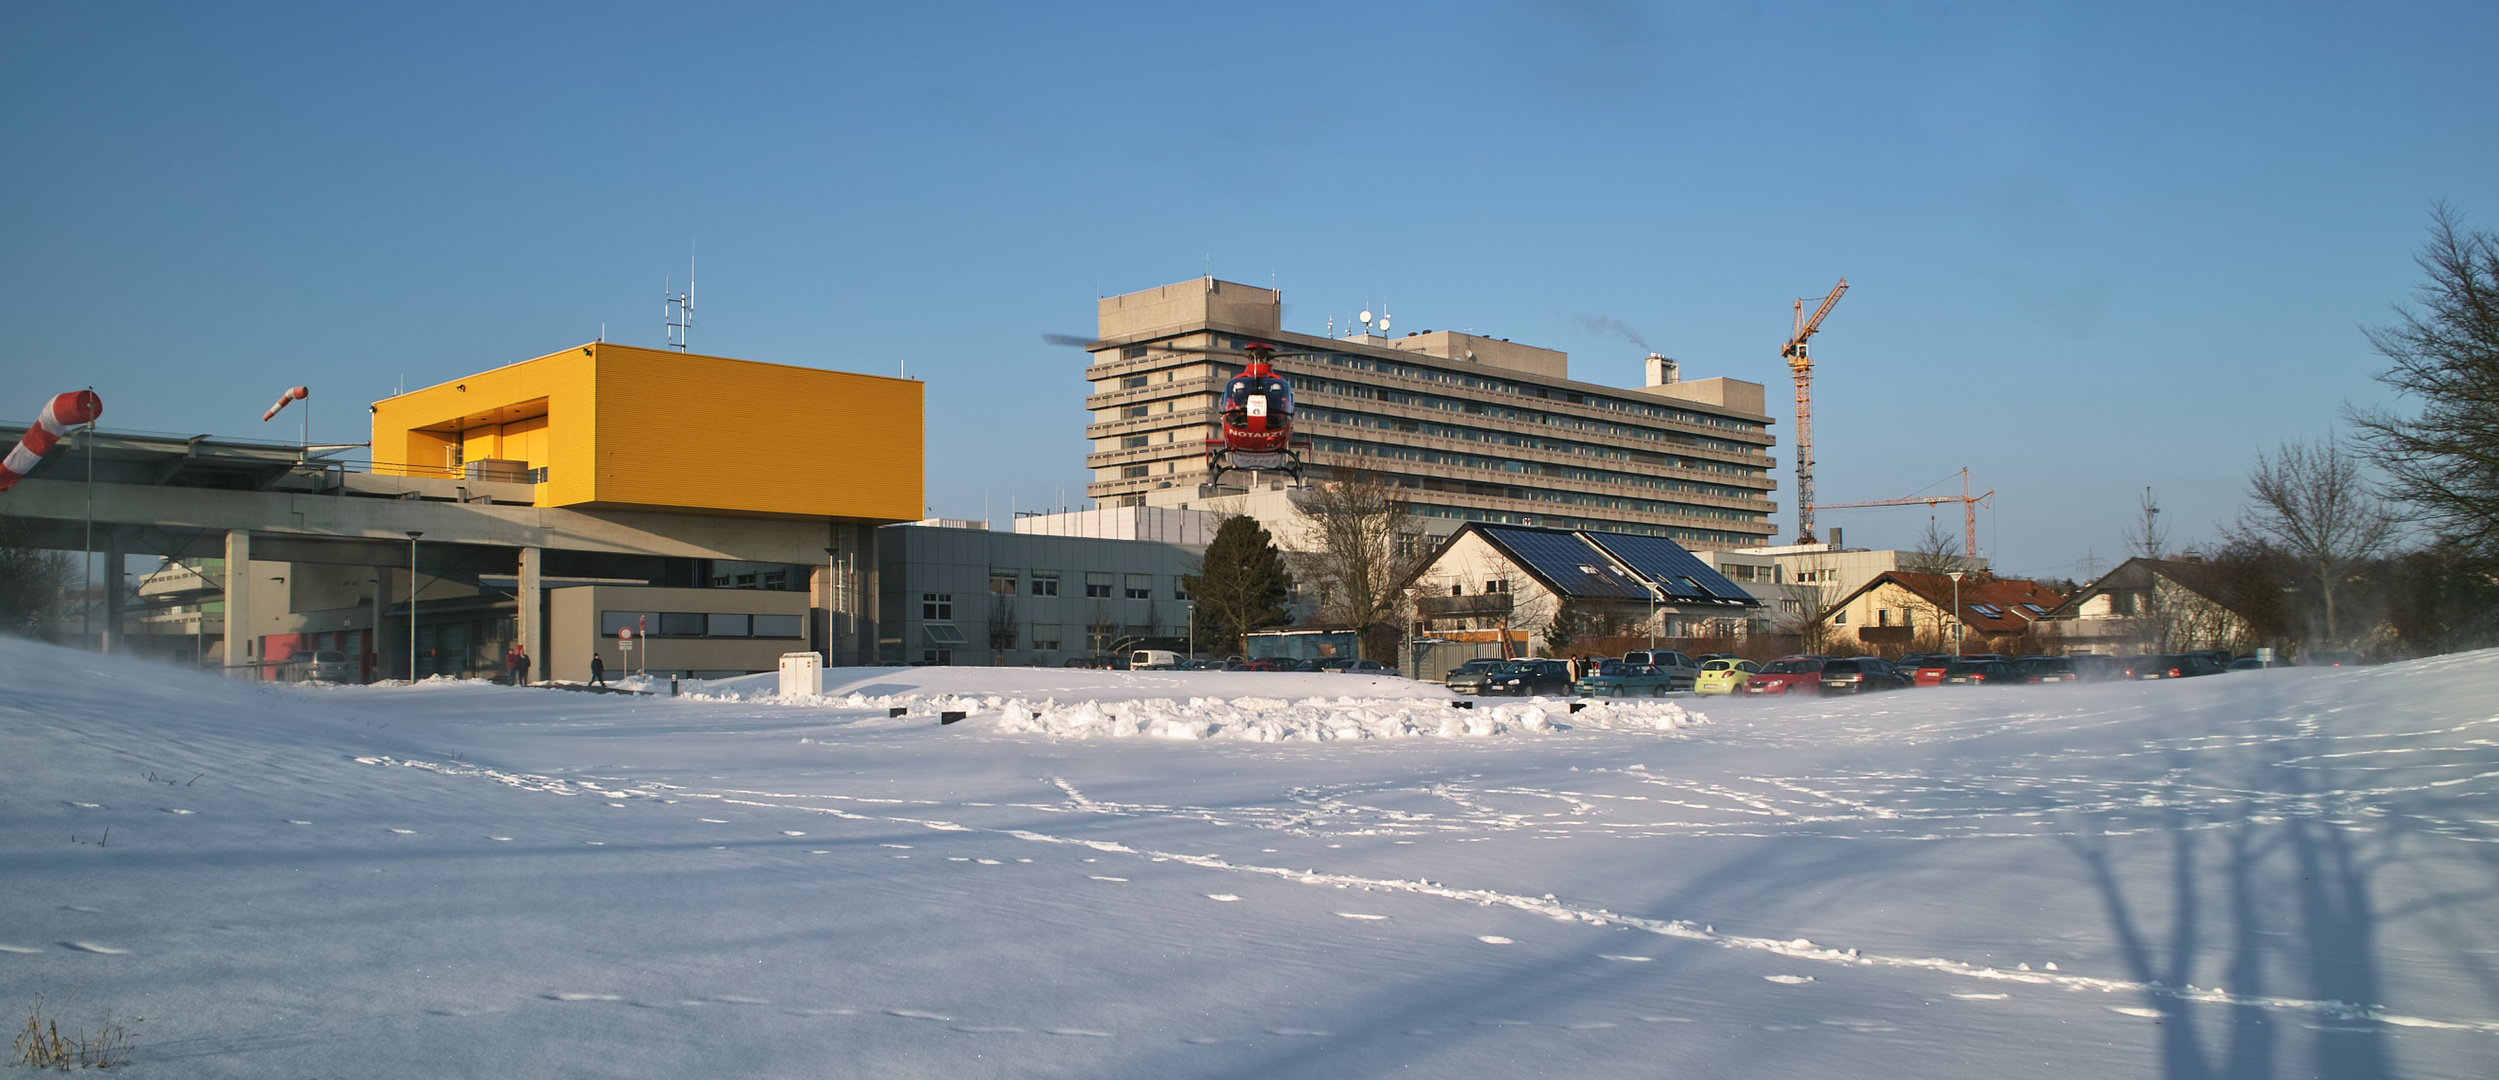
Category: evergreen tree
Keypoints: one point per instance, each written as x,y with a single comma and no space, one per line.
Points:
1240,586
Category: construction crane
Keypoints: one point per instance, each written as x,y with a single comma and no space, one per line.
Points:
1800,362
1969,509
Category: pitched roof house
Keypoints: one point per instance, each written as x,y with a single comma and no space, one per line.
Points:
2153,605
1900,610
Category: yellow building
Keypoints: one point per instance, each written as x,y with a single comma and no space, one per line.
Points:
615,426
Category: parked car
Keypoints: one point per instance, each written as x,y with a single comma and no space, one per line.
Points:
326,665
1980,673
1614,678
1723,676
2177,666
1524,677
1154,660
1786,675
1349,664
2247,663
1262,664
2049,669
1685,669
1929,669
1468,678
1860,674
2329,658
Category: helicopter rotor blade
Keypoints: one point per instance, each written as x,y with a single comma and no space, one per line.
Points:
1066,339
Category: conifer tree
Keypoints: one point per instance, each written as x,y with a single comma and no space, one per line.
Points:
1240,586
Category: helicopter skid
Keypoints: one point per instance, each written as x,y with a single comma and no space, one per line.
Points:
1237,459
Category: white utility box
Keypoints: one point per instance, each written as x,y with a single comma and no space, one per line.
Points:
802,674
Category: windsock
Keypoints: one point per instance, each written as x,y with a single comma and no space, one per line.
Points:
65,412
293,393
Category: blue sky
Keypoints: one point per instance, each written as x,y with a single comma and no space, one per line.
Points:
2091,247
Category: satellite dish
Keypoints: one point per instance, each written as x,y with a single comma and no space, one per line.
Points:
1366,316
1383,324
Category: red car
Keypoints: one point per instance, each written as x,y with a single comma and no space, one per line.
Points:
1787,675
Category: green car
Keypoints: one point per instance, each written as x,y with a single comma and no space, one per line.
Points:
1615,678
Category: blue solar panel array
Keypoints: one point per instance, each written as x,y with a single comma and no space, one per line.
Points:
1674,569
1558,557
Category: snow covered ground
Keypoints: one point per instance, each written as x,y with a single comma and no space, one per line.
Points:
1201,874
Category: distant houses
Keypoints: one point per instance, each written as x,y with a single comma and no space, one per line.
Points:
1900,611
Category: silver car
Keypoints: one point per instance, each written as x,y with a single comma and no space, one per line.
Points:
328,665
1681,669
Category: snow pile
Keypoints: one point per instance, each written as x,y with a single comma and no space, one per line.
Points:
1261,719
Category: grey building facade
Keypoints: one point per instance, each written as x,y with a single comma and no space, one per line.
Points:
958,593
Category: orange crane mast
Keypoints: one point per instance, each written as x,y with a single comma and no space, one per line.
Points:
1969,509
1800,363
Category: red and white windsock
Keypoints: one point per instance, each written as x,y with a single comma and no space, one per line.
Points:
65,412
293,393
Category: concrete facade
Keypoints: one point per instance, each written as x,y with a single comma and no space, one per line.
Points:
1474,428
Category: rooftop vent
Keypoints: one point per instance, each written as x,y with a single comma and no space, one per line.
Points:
1661,370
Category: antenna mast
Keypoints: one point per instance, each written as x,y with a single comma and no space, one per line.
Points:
677,309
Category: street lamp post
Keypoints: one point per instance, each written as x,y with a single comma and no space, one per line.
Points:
412,601
1192,632
1956,612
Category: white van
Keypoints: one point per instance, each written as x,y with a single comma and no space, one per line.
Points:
1154,660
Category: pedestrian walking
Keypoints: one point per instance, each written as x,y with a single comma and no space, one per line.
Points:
598,670
520,666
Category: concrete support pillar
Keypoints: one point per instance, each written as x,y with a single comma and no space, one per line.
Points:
115,595
241,635
377,642
866,596
820,625
533,608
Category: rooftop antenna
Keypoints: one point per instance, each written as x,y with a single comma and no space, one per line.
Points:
677,309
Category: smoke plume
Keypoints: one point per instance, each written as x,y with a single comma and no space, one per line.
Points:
1611,327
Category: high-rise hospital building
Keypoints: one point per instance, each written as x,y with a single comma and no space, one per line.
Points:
1472,428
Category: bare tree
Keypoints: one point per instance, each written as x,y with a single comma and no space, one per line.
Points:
2445,460
1937,551
2309,500
2147,536
1002,626
1364,551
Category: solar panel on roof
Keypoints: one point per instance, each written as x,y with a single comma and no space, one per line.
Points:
1677,571
1558,556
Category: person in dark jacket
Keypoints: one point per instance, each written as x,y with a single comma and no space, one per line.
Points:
598,670
520,666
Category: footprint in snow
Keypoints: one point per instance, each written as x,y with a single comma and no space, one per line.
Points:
571,996
1201,1040
969,1030
711,821
1494,939
405,832
171,810
86,805
92,947
1098,877
792,832
1789,980
915,1014
8,948
500,839
1502,1023
1298,1033
1222,897
1084,1033
1366,918
732,999
1666,1020
1625,959
987,862
1592,1025
1982,997
292,821
2148,1014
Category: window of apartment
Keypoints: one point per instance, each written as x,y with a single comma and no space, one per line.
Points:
681,624
1135,411
1045,583
1140,587
1179,587
727,625
937,657
1002,582
1840,617
1001,636
1045,637
1458,589
1131,472
1131,442
1132,500
937,606
1132,352
1132,382
1098,636
779,626
1097,584
1496,586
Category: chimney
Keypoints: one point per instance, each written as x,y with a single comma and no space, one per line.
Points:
1661,370
1836,545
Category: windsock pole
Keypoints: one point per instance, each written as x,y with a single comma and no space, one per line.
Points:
58,416
294,393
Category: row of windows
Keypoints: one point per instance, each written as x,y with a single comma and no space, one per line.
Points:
1685,536
1509,438
697,624
1527,416
1576,498
939,607
1556,470
1477,382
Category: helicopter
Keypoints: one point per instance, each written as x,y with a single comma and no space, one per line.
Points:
1254,418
